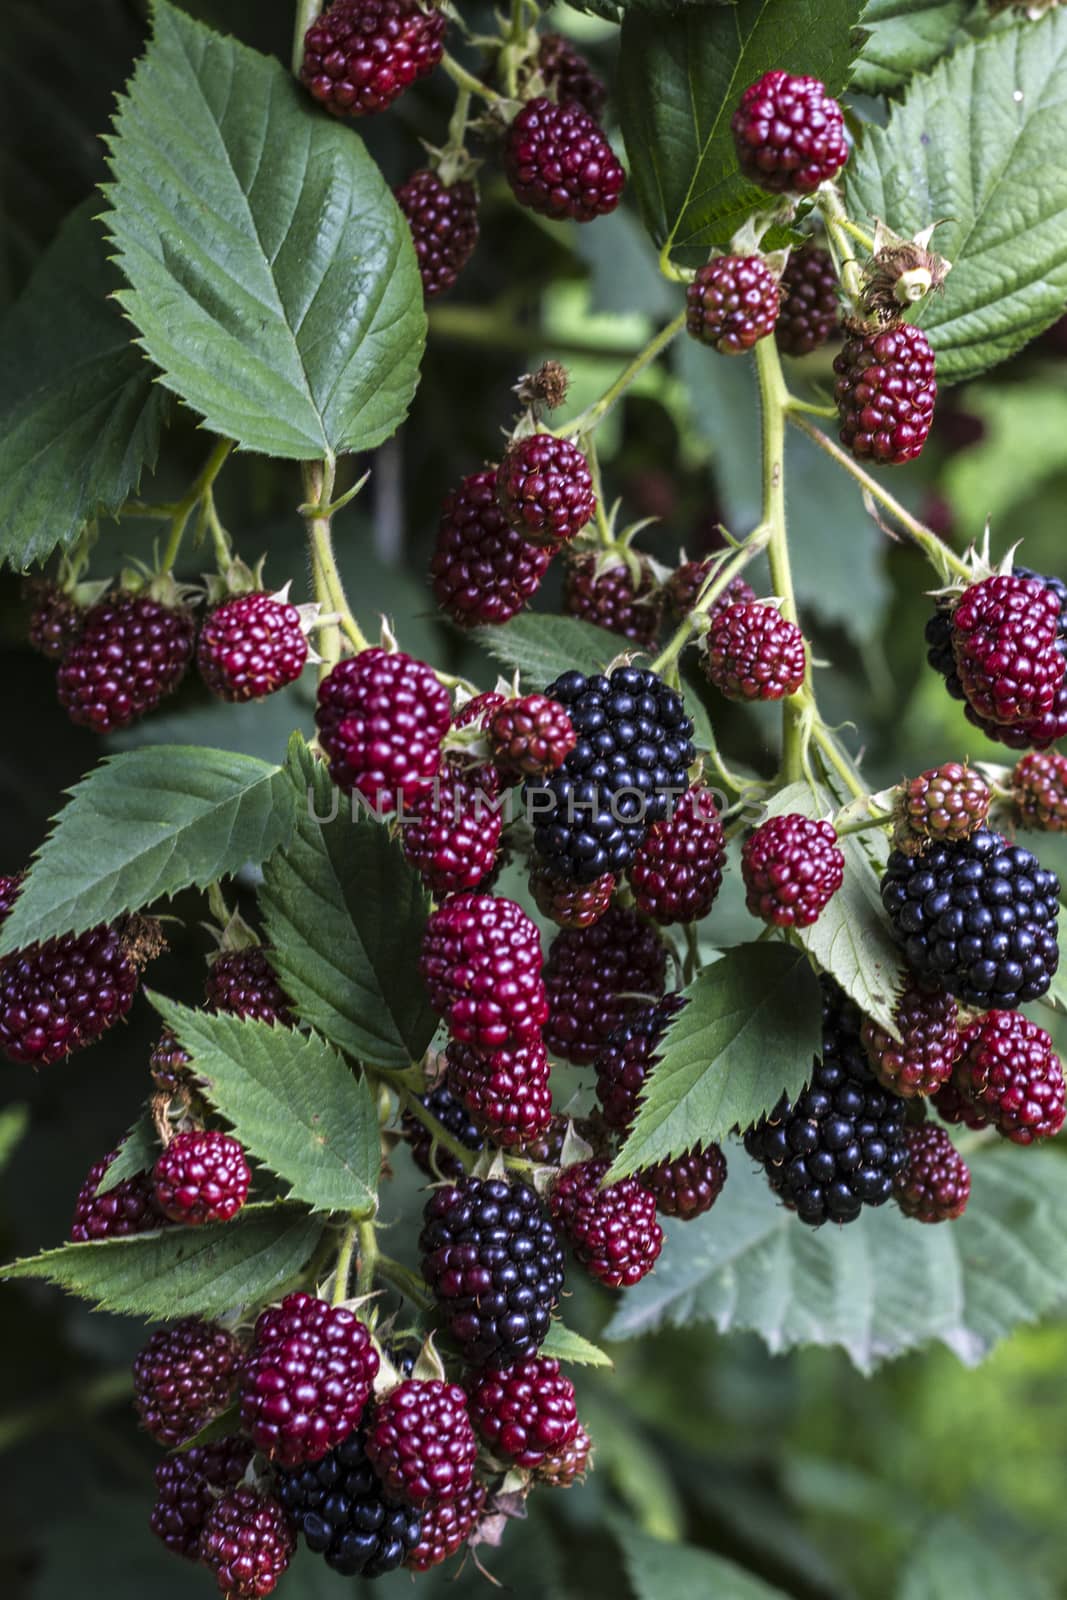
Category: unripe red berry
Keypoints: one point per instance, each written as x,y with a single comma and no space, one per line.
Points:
446,1527
359,55
525,1412
789,133
685,583
792,868
607,594
421,1443
530,737
202,1176
885,393
571,905
935,1183
507,1092
1005,641
928,1023
381,718
688,1185
247,1542
810,309
443,219
243,983
451,832
677,872
1010,1073
481,963
732,303
1039,789
545,489
183,1377
131,653
559,163
613,1231
251,646
752,652
947,802
483,570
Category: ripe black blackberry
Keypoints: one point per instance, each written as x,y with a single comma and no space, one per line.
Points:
341,1508
494,1264
597,976
433,1158
842,1144
810,309
633,752
443,218
977,916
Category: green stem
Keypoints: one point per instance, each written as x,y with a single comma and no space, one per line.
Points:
774,404
344,1261
466,80
306,12
882,820
368,1257
595,414
692,951
948,564
219,537
835,217
402,1278
196,494
716,583
329,590
832,752
811,409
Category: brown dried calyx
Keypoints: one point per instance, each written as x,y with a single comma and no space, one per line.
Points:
546,388
900,273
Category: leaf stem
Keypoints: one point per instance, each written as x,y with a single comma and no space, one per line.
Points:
774,406
946,561
830,748
593,415
368,1256
197,493
329,590
717,581
345,1253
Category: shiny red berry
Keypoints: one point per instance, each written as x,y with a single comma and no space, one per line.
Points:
381,718
183,1377
530,737
443,219
613,1231
677,871
789,133
202,1176
1039,790
359,55
129,1207
421,1443
922,1059
131,653
247,1542
1010,1073
545,489
525,1412
62,995
689,1185
251,646
570,74
1005,641
571,905
608,595
792,868
559,163
243,984
507,1092
810,309
481,963
935,1183
185,1490
483,570
595,977
446,1527
885,393
752,652
732,303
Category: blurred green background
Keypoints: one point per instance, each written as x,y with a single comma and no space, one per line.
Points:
925,1481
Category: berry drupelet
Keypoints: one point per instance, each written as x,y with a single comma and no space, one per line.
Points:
420,1441
935,1183
530,737
633,752
570,1465
494,1266
452,831
506,1092
948,802
183,1377
789,133
977,916
247,1542
885,393
481,964
482,570
842,1144
559,163
131,653
243,983
677,872
1039,790
689,1185
446,1527
62,995
626,1058
443,219
381,718
752,652
595,977
251,646
307,1379
129,1207
609,595
202,1176
792,869
359,55
545,489
184,1490
341,1508
168,1065
431,1157
526,1412
810,310
613,1230
732,303
1009,1072
922,1060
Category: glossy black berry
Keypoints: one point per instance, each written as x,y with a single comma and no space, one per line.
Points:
340,1507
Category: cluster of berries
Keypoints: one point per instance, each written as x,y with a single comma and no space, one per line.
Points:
360,55
119,657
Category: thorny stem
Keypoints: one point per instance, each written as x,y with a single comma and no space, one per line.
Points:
368,1257
587,420
774,401
466,80
719,580
836,219
938,554
344,1261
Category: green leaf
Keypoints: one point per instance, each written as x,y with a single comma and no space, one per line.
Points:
746,1037
563,1344
852,940
904,37
656,1568
949,1560
877,1288
145,824
542,647
292,1101
138,1153
345,914
80,411
181,1272
273,278
679,82
965,145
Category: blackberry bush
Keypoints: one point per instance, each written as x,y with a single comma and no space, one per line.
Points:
530,641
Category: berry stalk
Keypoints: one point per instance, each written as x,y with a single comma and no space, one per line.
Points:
593,415
329,590
774,404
